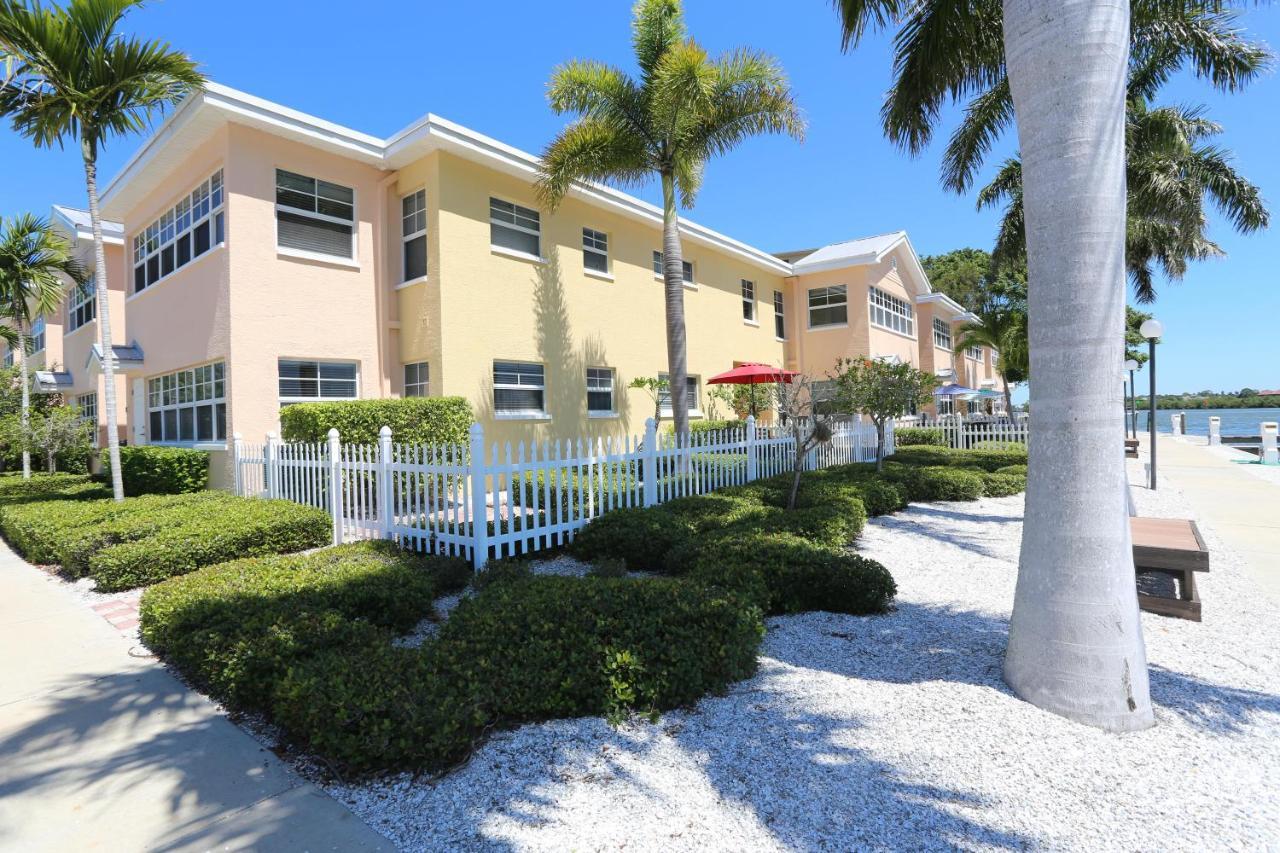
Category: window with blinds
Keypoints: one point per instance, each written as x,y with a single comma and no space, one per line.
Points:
691,394
941,334
890,312
301,381
82,307
183,233
413,231
314,216
514,227
600,390
828,306
518,388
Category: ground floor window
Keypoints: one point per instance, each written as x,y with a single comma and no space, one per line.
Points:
188,406
945,406
304,381
519,388
664,397
600,390
417,380
87,404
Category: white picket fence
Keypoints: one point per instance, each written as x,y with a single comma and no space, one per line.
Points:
967,435
530,496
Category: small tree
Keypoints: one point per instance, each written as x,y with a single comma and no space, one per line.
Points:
798,404
880,390
62,431
655,386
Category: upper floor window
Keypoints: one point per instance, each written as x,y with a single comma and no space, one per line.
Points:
748,301
37,335
317,380
188,406
686,268
995,357
779,316
315,216
829,306
595,250
413,233
890,312
691,394
941,334
82,307
518,388
417,380
514,227
187,230
600,391
974,353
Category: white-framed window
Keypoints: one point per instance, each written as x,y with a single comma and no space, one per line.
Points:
995,357
38,335
514,227
748,301
188,406
829,306
941,334
945,406
304,381
595,250
413,234
691,392
8,356
417,380
890,312
519,388
974,353
87,404
686,268
315,216
82,306
600,391
779,316
184,232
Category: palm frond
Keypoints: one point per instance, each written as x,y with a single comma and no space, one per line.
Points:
656,26
591,149
1205,34
35,263
859,16
750,96
986,118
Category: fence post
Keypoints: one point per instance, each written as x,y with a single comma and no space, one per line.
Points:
479,512
335,484
271,452
386,495
649,463
890,443
1215,430
1267,432
237,451
751,448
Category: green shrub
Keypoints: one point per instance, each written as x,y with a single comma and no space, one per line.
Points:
937,482
158,470
413,420
705,425
1020,470
236,628
989,460
912,436
39,531
639,537
881,497
43,487
714,510
997,485
922,455
994,460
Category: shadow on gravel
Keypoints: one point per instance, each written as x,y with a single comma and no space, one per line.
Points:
918,520
1215,707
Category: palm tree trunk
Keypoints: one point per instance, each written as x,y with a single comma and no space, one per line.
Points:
1008,397
1075,639
90,153
673,285
26,401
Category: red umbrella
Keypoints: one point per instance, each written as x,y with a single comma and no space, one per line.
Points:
753,373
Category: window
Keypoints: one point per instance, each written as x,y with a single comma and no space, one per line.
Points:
974,353
779,316
416,380
88,406
890,312
595,250
748,301
945,406
317,380
686,268
941,334
82,307
518,388
664,397
184,232
8,356
599,390
995,357
828,306
315,216
413,232
514,227
188,406
37,335
824,397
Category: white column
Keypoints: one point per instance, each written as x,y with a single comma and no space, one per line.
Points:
270,472
237,450
386,495
479,508
335,484
751,448
1269,454
649,462
1215,429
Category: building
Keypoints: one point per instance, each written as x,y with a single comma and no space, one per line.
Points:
259,257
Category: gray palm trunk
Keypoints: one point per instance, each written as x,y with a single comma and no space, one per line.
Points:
26,401
1075,639
1008,396
89,151
673,285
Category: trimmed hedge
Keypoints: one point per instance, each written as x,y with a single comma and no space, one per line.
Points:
911,436
159,470
40,531
989,460
44,487
413,420
639,537
937,482
998,485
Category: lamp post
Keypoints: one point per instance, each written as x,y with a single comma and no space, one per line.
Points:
1131,365
1151,330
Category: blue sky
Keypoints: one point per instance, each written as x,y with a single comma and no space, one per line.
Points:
376,66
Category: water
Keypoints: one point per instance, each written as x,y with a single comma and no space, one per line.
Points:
1234,421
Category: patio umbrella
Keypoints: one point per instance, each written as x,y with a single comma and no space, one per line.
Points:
753,373
954,390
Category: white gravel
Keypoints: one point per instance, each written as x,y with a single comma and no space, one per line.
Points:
897,732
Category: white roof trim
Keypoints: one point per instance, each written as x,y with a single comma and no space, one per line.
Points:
871,253
76,223
946,301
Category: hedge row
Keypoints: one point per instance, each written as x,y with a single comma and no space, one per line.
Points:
909,436
158,470
413,420
43,487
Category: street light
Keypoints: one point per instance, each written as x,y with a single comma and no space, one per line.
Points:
1131,365
1151,330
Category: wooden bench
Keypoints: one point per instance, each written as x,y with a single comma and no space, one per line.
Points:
1174,547
1131,448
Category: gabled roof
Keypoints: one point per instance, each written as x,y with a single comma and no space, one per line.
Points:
77,223
125,357
862,252
49,381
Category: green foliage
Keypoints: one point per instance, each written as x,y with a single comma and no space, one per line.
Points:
640,538
962,274
1019,470
909,436
413,420
997,485
40,530
937,482
880,389
44,487
158,470
987,460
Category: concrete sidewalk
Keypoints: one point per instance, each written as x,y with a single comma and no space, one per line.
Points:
101,748
1241,508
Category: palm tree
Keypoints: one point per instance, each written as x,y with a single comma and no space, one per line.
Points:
1075,641
71,75
1169,173
1002,326
33,262
684,108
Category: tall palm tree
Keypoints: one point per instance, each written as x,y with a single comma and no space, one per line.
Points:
35,262
1075,641
684,108
1002,326
71,75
